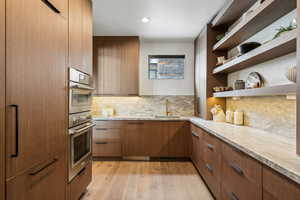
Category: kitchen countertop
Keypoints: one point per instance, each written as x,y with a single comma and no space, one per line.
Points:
136,118
279,153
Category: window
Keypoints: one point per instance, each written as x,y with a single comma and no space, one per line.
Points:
166,67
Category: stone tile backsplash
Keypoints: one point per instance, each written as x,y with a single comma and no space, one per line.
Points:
145,105
273,114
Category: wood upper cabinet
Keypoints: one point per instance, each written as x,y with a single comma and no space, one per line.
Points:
36,66
277,187
47,184
116,62
80,35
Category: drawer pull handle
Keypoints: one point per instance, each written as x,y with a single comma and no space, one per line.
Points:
135,123
233,196
101,129
35,172
16,154
210,146
195,134
51,6
209,167
82,172
101,142
237,169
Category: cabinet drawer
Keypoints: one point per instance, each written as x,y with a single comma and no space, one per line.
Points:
211,174
80,182
277,187
108,124
241,175
107,149
106,135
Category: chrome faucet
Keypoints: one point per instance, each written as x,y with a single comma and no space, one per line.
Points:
167,108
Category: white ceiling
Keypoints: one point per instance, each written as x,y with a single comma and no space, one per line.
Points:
170,19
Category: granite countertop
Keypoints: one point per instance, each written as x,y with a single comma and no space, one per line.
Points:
279,153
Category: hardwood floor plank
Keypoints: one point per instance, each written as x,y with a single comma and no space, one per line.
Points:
130,180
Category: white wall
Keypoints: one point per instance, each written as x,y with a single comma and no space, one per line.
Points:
167,87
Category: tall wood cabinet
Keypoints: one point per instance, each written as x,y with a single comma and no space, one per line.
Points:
116,62
2,99
36,108
80,35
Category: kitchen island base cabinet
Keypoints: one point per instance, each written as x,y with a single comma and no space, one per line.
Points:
43,182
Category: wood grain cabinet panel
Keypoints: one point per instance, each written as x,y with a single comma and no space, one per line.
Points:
241,175
277,187
36,53
179,139
212,163
2,99
116,61
80,35
45,181
80,182
197,147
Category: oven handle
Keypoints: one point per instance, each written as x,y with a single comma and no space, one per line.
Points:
82,87
82,129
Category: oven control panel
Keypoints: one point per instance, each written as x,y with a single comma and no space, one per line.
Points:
79,118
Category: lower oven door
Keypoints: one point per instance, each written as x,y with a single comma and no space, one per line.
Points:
80,148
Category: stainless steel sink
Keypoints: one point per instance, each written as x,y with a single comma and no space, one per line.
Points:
167,117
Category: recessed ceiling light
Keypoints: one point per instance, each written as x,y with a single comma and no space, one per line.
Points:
145,19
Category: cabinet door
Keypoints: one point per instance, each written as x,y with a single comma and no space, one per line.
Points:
35,84
156,139
87,36
197,147
75,33
46,182
179,139
133,139
2,99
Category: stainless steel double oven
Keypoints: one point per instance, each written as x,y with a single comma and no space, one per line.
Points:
80,121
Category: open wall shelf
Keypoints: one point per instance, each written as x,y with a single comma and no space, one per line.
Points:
232,12
283,45
268,12
289,89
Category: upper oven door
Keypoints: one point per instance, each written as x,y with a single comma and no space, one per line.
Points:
80,98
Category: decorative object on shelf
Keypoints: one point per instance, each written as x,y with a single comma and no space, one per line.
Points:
238,118
222,89
254,80
282,29
220,60
239,85
218,114
229,116
229,59
220,37
247,47
291,74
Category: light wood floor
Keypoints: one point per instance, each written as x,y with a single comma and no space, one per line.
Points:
146,181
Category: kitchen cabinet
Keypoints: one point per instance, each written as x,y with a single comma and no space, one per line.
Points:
241,175
179,139
36,110
45,181
80,35
197,147
2,99
116,63
277,187
107,139
80,182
